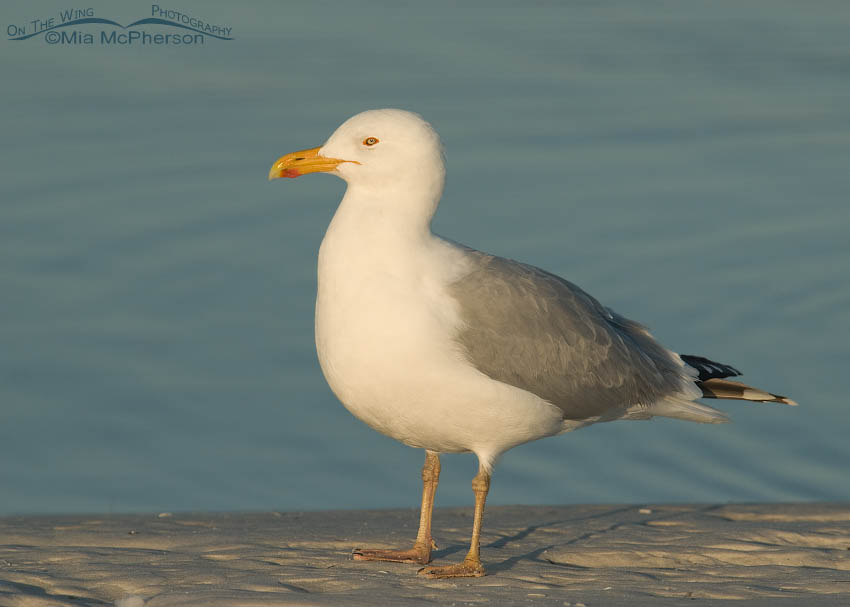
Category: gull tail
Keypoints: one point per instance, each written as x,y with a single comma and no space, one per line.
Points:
724,388
712,382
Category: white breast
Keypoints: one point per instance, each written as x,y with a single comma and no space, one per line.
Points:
384,336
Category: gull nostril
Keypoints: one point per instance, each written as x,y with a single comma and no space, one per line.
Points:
301,158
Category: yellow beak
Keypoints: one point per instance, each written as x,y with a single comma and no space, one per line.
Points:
303,162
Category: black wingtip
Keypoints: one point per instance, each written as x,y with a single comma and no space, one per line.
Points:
709,369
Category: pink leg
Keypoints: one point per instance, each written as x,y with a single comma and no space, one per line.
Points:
421,551
470,566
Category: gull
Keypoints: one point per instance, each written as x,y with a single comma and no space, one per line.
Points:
453,350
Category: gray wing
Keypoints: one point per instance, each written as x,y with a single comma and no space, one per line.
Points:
536,331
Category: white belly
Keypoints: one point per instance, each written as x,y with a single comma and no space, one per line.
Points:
384,333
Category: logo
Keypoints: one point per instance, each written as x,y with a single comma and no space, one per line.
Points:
165,27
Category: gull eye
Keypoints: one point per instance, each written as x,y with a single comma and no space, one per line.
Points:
370,141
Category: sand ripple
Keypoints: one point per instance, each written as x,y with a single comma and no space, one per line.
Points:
596,555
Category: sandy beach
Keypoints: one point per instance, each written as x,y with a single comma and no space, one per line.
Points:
764,554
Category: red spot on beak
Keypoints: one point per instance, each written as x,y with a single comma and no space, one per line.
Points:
291,173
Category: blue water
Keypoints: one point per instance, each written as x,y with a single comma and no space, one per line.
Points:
685,163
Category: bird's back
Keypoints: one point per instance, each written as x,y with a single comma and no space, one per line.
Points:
534,330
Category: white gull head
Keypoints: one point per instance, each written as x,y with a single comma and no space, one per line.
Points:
388,156
384,147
